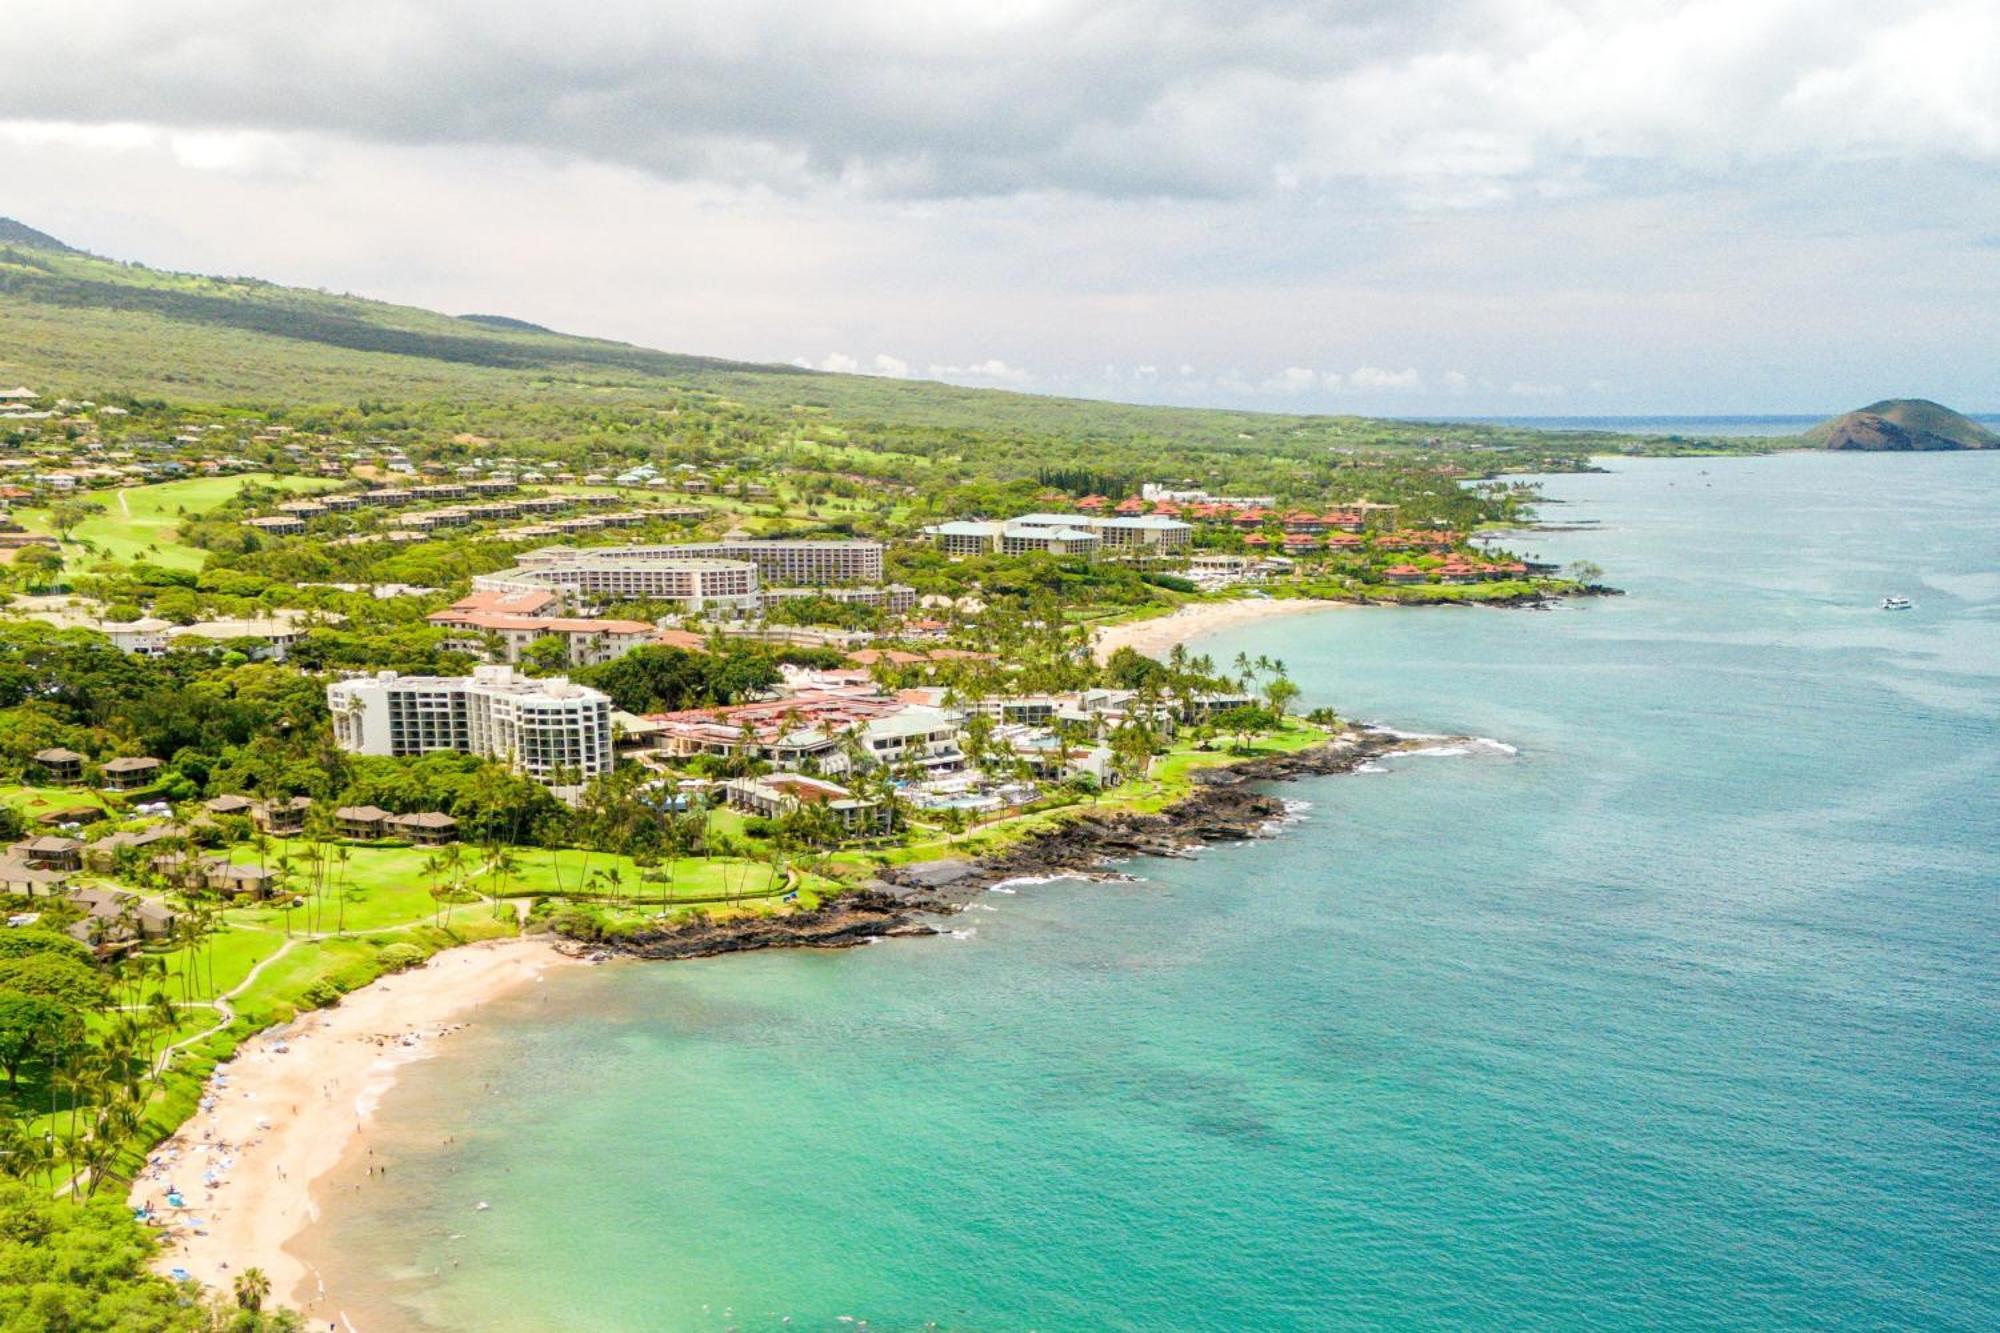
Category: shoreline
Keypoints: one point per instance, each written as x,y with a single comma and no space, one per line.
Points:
1157,636
353,1048
284,1112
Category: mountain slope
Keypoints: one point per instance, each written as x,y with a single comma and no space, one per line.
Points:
1902,425
20,233
79,324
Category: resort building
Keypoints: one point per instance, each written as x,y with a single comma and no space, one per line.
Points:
785,563
543,727
896,598
777,794
503,638
1063,534
693,583
1014,537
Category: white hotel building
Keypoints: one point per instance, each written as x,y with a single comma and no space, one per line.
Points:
1062,534
785,563
539,726
612,574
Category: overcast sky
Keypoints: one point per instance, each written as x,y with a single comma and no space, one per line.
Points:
1538,207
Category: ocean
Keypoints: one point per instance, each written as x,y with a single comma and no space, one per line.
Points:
1675,1006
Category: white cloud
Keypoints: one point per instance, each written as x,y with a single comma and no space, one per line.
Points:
892,366
991,371
1376,378
839,363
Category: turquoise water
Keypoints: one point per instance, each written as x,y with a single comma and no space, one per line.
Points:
1683,1016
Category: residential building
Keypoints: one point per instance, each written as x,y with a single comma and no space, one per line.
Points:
130,774
545,728
277,525
59,767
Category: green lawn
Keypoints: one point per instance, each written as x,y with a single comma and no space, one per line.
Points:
31,801
138,521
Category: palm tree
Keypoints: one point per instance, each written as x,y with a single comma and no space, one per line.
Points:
252,1288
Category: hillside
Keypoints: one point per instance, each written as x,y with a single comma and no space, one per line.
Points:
19,233
78,324
1902,425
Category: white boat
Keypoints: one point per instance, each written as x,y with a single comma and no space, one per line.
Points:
1897,603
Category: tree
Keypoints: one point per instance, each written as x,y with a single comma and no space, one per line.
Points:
1280,693
66,515
27,1022
252,1288
545,656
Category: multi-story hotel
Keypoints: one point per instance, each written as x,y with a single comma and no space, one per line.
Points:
612,574
542,727
1061,534
784,563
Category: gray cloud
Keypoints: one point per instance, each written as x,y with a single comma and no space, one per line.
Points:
1460,103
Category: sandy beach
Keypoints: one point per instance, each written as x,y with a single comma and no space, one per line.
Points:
281,1114
1156,637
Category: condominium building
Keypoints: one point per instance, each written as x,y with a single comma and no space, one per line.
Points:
784,563
544,728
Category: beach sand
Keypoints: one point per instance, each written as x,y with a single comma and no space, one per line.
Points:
274,1122
1156,637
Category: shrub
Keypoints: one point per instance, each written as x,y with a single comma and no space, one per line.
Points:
400,955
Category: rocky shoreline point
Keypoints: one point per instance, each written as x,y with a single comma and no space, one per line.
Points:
1224,807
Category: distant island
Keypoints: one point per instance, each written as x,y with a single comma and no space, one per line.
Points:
1902,425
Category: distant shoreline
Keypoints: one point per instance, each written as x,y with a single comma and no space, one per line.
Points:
1156,637
283,1121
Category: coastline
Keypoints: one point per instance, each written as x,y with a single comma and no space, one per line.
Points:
1157,636
283,1113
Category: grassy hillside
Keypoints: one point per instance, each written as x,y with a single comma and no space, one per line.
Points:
78,324
138,522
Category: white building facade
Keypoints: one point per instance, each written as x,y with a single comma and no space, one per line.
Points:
545,728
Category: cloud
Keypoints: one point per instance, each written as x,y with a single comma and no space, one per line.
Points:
1461,103
893,366
1376,378
991,371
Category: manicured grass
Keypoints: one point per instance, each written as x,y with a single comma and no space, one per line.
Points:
570,871
138,522
31,801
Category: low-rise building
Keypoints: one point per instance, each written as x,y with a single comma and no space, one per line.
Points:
59,767
130,774
500,637
774,795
